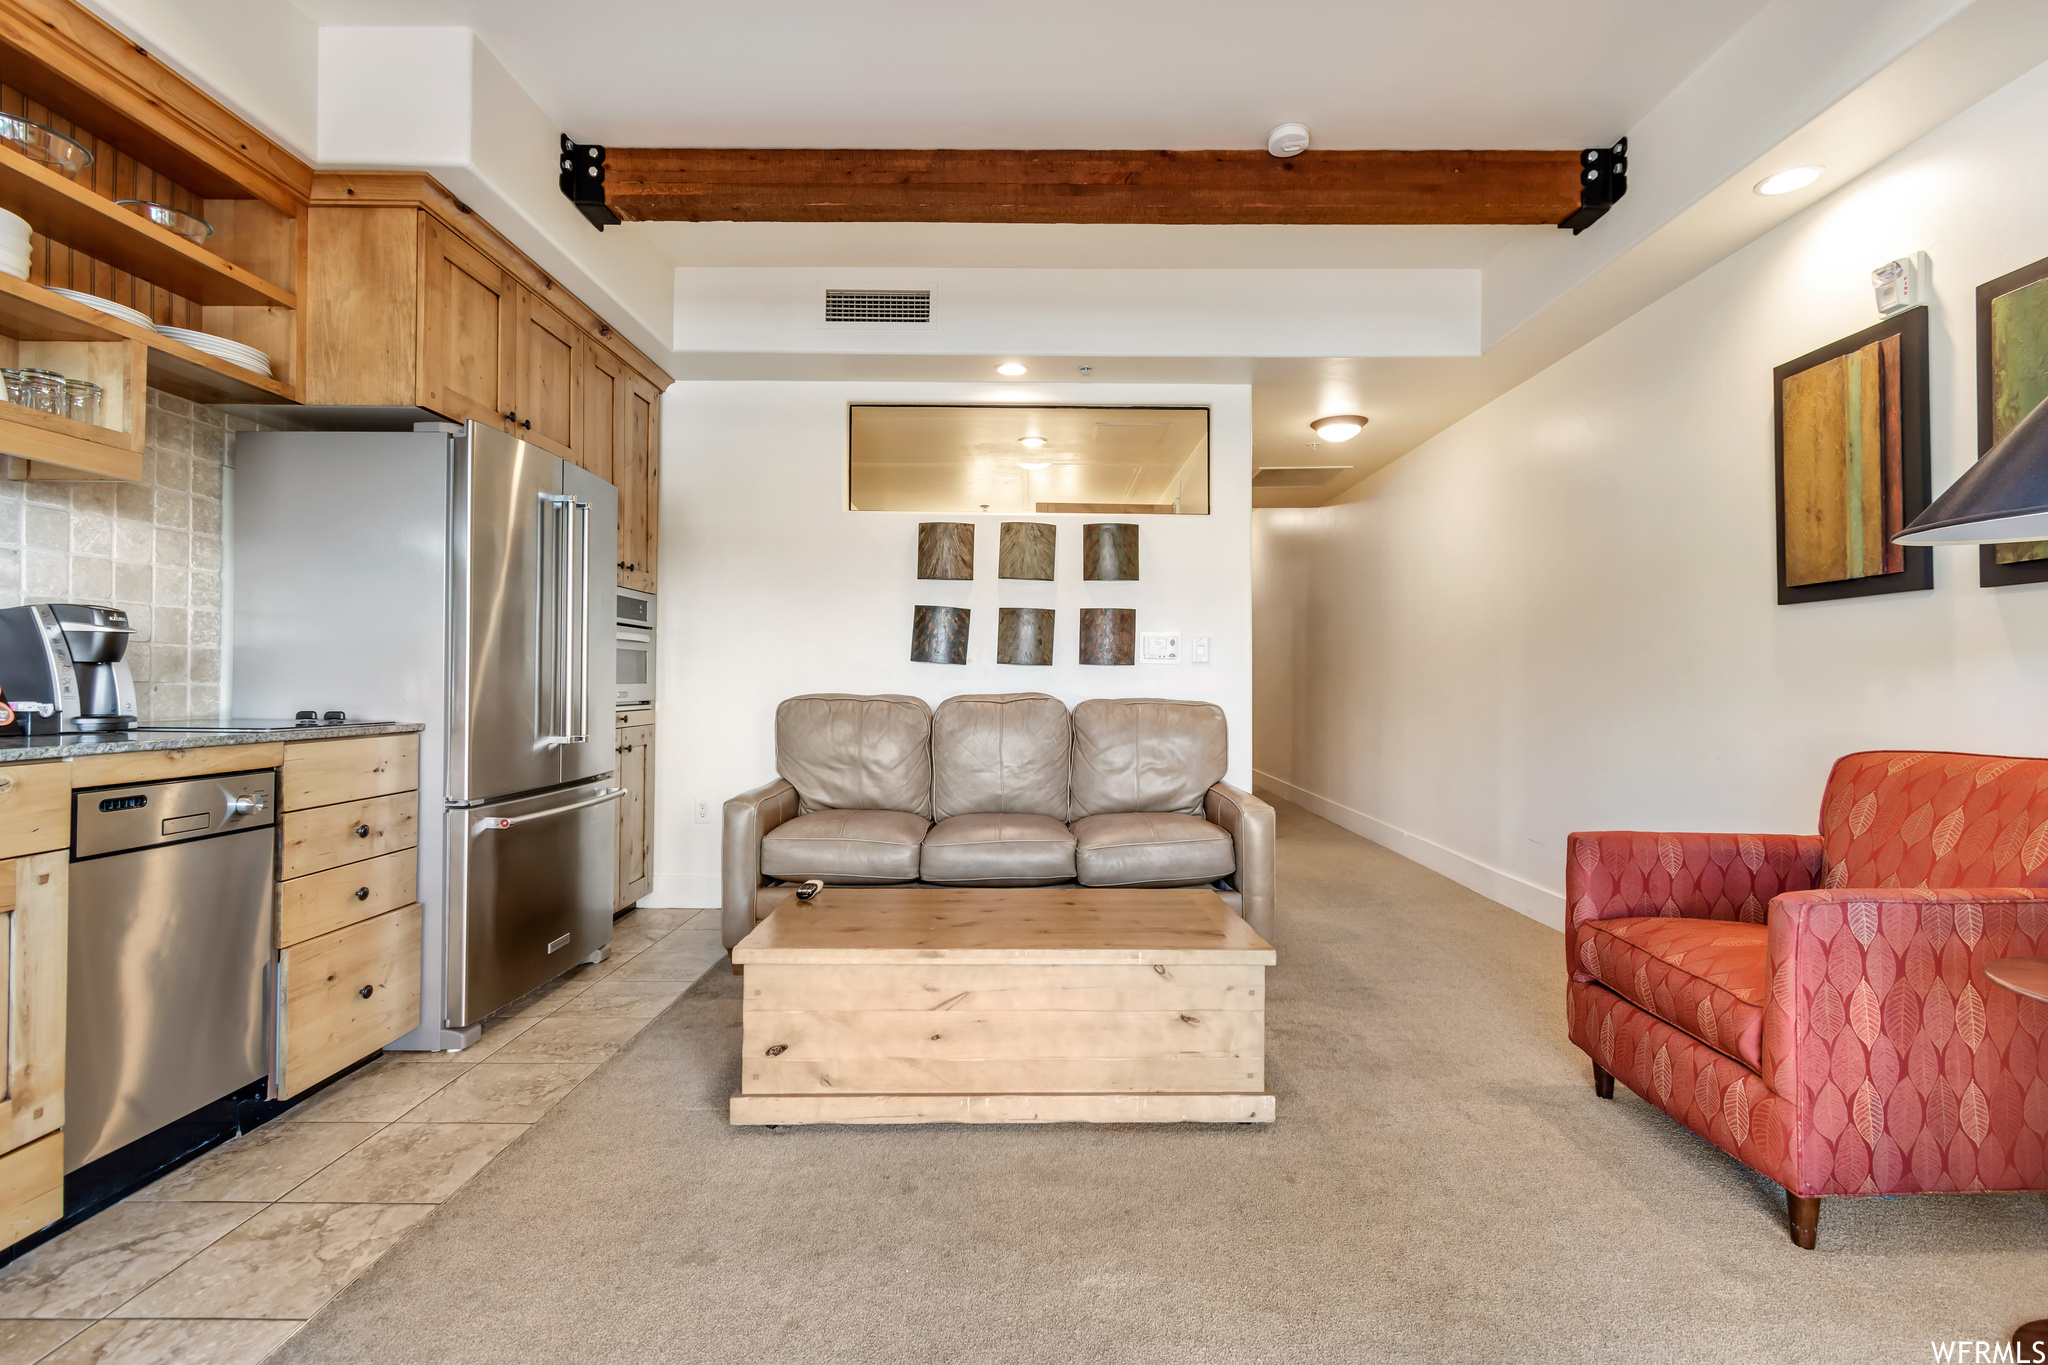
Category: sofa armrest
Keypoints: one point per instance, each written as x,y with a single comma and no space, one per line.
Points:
748,817
1250,823
1615,874
1906,1069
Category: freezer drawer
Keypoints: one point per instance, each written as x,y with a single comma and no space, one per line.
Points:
529,893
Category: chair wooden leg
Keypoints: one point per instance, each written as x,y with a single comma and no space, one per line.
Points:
1802,1215
1603,1084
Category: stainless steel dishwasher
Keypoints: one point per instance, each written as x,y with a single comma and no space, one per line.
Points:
170,934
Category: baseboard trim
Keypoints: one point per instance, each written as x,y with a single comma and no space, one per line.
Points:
1539,903
676,892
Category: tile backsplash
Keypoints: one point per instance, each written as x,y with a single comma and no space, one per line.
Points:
152,549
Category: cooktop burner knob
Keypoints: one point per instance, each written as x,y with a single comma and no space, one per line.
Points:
335,717
305,716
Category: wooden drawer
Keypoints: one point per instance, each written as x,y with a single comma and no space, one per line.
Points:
311,906
31,1188
35,808
312,841
163,765
322,772
347,994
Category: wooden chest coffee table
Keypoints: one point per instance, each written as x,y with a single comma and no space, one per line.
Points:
1035,1005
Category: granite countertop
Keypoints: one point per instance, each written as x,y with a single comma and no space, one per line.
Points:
21,748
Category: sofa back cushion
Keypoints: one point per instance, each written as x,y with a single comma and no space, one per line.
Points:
856,753
1935,820
1001,755
1146,755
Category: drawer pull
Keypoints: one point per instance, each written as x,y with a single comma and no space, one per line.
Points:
365,992
362,831
362,893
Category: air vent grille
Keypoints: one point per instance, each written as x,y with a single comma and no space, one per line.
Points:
1297,476
878,305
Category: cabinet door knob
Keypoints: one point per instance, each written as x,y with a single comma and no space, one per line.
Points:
528,425
511,416
362,831
365,992
362,893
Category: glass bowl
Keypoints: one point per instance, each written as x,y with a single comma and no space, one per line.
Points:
163,215
46,145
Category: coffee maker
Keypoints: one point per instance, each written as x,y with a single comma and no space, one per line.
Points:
69,658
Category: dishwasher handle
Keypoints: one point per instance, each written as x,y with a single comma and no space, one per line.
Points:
492,822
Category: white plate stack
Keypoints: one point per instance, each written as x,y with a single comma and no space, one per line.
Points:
109,307
234,352
14,235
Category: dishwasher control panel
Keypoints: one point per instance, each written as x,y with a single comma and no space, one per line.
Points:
117,819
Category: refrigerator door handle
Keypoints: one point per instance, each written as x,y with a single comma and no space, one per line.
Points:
484,826
578,574
556,705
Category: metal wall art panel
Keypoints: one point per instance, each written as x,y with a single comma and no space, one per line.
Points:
938,635
1109,635
1109,552
1026,550
1024,636
945,549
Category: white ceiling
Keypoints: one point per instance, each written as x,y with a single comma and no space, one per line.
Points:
1084,73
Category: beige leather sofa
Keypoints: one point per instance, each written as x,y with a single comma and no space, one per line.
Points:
1007,790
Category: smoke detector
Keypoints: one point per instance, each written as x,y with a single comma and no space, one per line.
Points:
1289,139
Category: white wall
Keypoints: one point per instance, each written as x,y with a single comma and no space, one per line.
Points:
770,588
1560,613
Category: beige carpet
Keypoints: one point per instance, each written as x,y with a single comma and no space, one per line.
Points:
1441,1184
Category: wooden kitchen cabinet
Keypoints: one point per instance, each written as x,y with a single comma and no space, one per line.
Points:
35,888
348,913
636,809
413,301
468,330
636,469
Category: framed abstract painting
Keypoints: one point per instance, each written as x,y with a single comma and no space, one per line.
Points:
1852,439
2012,377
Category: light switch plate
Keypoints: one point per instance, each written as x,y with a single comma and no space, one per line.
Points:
1158,646
1201,651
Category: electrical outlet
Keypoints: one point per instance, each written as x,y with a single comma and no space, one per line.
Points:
703,810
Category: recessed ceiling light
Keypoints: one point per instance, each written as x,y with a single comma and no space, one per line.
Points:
1784,182
1034,465
1031,442
1337,428
1010,367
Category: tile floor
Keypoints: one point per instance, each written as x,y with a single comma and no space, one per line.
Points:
220,1261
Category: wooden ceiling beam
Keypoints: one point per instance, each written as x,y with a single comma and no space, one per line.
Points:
787,185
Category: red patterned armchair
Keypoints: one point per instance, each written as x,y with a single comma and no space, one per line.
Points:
1817,1007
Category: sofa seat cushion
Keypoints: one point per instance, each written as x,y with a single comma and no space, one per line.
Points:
1144,848
1705,976
845,847
998,850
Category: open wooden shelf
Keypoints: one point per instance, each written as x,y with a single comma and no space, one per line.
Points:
67,212
30,312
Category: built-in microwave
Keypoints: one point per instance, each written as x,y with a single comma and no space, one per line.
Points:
634,633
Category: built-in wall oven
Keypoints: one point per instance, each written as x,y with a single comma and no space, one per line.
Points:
634,625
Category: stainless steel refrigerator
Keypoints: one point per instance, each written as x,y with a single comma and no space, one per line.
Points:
460,577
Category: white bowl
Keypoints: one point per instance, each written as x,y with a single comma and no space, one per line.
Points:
14,223
20,274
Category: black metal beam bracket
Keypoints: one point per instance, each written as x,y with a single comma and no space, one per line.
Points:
583,182
1603,179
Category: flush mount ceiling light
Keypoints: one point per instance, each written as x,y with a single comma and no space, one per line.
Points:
1034,465
1011,368
1784,182
1337,428
1031,442
1289,139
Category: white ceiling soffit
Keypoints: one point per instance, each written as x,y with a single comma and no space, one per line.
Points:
1079,73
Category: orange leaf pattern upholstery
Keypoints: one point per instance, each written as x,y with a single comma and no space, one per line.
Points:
1884,1061
1703,976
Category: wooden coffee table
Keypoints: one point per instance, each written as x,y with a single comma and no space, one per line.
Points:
1033,1005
